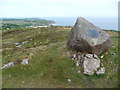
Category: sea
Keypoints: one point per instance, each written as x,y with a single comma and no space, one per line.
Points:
103,23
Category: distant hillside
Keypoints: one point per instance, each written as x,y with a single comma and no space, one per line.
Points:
11,23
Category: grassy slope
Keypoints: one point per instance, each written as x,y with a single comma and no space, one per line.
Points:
51,65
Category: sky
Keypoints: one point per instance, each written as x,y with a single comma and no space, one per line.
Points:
59,8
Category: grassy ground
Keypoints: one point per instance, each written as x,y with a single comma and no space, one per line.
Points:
51,66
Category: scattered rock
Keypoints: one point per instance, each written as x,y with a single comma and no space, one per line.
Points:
19,46
69,80
31,54
31,39
73,59
77,63
68,53
25,61
85,37
17,43
24,42
90,64
106,53
113,54
8,65
74,55
79,57
78,71
101,71
101,56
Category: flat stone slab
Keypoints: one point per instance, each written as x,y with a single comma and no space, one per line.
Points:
91,63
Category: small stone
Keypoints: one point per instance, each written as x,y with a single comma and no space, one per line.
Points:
78,71
79,57
73,59
77,64
17,43
78,53
106,53
74,55
113,54
19,46
69,80
101,56
24,42
68,53
25,61
8,65
101,71
31,54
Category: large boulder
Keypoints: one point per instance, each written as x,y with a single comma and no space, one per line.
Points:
85,37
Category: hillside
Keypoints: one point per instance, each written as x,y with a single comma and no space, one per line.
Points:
11,23
50,65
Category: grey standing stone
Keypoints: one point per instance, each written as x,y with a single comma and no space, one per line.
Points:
85,37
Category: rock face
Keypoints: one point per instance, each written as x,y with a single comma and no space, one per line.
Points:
85,37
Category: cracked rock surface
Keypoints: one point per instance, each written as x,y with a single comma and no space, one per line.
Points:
91,64
86,37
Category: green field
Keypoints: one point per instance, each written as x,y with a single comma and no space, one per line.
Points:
12,23
51,65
